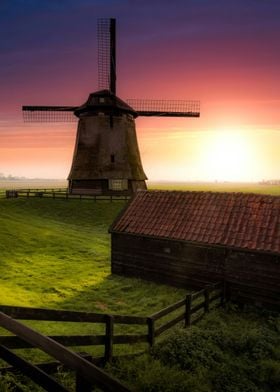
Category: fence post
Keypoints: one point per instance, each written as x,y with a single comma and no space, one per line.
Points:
188,313
81,384
206,299
151,331
108,355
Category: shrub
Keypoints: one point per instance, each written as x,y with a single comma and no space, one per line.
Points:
189,349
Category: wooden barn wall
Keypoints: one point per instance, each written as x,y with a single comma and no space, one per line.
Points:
171,262
251,276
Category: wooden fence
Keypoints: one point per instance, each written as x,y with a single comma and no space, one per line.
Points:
191,309
60,193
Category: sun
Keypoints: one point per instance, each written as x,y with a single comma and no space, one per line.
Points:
227,156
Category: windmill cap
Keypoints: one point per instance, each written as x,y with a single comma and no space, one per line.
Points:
106,102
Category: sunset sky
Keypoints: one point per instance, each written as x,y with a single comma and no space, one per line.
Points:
224,53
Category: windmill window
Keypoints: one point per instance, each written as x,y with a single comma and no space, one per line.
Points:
118,185
112,158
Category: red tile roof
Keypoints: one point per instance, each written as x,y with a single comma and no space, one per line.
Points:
238,220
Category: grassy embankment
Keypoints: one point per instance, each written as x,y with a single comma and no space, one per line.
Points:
56,254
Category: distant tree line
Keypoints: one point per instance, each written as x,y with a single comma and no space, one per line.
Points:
10,177
270,182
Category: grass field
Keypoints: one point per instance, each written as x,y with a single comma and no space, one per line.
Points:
56,254
185,186
219,187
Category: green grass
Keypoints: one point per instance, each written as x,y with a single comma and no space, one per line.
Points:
219,187
230,351
186,186
56,254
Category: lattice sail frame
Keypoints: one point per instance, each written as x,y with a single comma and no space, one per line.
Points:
39,114
168,108
106,41
106,34
143,107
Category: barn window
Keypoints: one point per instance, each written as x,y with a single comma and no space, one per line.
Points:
112,158
118,185
167,250
101,100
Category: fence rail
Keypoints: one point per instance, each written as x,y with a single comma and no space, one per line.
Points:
60,193
189,306
91,374
195,304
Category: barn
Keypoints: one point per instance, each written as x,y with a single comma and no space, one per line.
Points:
190,239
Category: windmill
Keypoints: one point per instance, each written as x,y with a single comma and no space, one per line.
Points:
106,159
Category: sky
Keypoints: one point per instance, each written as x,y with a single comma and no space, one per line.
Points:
223,53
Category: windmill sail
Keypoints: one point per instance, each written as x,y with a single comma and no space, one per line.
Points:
49,113
106,159
106,36
165,108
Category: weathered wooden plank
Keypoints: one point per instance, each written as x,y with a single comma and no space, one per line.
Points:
33,372
160,276
108,353
250,286
168,309
188,308
197,307
25,313
151,331
150,262
52,367
197,294
138,320
258,295
169,324
14,342
87,370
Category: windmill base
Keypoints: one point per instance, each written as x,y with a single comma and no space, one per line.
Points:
116,187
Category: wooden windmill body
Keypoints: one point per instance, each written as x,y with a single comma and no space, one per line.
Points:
106,159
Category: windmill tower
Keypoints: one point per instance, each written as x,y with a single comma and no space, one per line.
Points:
106,159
